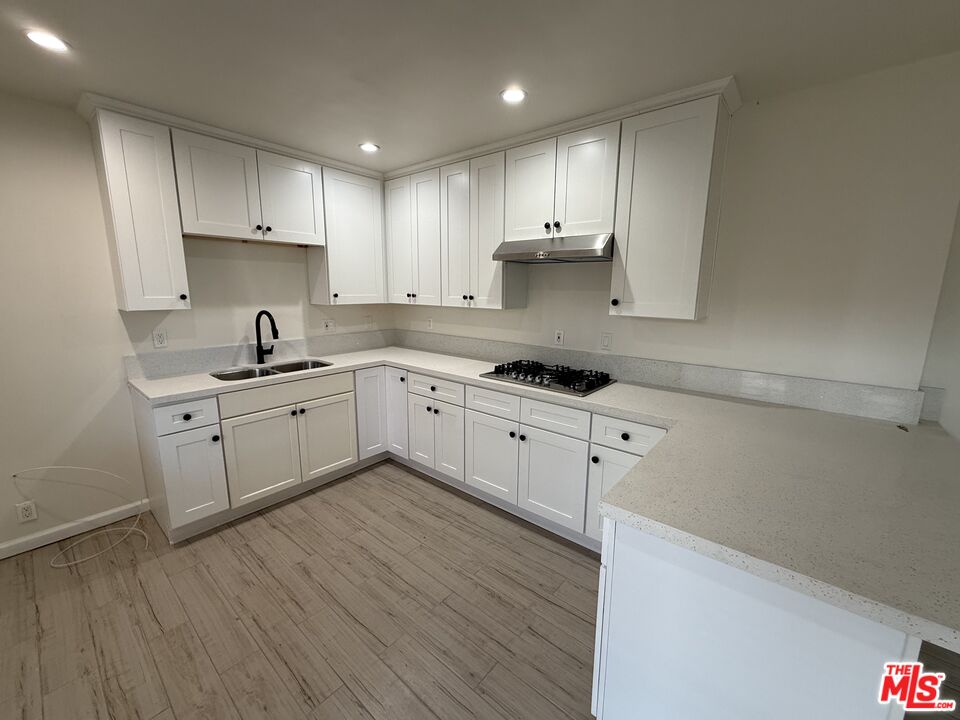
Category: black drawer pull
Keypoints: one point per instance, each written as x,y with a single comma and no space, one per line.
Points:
293,412
594,459
433,388
512,434
187,417
624,436
216,438
436,411
523,438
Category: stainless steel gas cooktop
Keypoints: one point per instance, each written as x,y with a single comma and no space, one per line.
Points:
560,378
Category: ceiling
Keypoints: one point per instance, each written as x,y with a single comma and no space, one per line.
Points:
421,77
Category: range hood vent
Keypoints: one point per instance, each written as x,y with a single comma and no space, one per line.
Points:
576,248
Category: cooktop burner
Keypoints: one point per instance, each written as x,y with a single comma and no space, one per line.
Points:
560,378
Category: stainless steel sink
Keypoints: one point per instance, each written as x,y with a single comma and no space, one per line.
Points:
298,365
243,373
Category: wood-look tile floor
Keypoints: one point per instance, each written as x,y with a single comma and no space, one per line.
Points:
381,596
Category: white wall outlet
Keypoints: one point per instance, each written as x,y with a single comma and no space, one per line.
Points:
429,323
26,511
606,341
160,337
329,325
558,337
368,321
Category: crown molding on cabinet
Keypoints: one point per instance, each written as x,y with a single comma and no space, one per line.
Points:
725,87
91,102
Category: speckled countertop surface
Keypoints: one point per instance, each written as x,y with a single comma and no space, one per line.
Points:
856,512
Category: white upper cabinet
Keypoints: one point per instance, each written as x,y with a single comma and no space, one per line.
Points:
291,196
399,227
563,186
586,193
350,269
668,208
455,234
135,165
218,187
413,238
530,181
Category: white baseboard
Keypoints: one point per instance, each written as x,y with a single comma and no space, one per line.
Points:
69,529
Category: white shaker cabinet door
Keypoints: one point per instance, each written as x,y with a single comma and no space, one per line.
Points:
491,454
328,434
486,230
372,411
448,439
668,198
218,186
425,216
607,468
553,476
353,261
291,196
137,176
455,235
529,190
262,453
587,180
396,394
193,474
420,425
399,240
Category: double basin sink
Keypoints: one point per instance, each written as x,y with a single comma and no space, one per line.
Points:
269,371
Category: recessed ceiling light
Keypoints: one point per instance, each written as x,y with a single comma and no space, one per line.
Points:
47,41
513,95
369,147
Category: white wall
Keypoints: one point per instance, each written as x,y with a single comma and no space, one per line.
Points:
838,207
943,360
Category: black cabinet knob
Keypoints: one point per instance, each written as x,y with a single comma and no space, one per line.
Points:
512,434
183,296
436,411
614,302
556,224
433,388
408,294
413,294
302,411
523,438
259,227
268,228
186,417
464,297
546,226
624,436
471,297
215,438
403,379
336,295
594,459
429,409
293,412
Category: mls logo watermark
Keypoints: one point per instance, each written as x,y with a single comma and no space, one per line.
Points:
916,690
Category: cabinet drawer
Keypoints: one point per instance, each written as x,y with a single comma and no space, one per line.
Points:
564,420
427,386
244,402
493,402
185,415
624,435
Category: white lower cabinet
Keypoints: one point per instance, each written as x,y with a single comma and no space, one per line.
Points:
491,448
436,435
607,468
552,481
396,411
328,434
193,473
370,384
262,453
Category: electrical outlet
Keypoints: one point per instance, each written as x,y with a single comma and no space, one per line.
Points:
329,325
368,321
606,341
26,511
160,337
558,337
429,323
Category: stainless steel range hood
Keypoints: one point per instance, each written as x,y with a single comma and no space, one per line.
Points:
576,248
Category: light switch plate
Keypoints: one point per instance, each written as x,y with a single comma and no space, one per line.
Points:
606,341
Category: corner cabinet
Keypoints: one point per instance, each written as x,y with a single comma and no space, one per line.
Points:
668,210
139,191
350,269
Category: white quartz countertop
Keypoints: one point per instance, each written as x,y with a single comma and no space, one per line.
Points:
856,512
